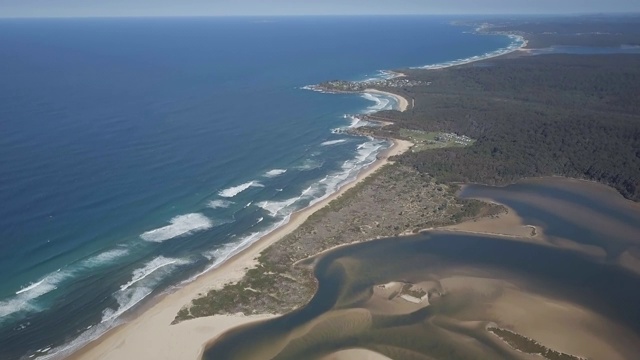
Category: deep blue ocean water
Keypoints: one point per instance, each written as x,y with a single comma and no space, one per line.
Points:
137,153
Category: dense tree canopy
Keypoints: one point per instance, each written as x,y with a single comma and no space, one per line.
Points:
568,115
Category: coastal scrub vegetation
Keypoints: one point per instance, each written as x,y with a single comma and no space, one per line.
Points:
394,200
530,346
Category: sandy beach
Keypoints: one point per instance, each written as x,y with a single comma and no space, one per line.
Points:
403,104
149,335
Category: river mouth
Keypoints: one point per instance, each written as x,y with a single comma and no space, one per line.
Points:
569,283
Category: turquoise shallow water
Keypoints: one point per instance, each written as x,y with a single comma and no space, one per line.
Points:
137,153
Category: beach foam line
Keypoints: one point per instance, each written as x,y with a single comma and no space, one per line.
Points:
354,122
382,102
148,269
235,190
143,283
227,251
147,279
179,226
275,172
219,204
275,207
366,154
333,142
517,42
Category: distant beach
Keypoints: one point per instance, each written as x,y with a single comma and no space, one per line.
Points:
403,104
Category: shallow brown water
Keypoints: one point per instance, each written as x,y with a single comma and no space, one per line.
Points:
568,300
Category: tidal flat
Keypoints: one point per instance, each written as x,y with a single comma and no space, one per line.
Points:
568,284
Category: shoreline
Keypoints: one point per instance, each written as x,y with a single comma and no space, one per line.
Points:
403,103
165,307
523,43
149,334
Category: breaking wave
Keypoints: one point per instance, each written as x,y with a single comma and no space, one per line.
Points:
105,258
310,164
275,172
223,253
333,142
235,190
142,284
382,102
219,204
366,154
179,225
25,298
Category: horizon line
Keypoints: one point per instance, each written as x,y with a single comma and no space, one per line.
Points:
627,14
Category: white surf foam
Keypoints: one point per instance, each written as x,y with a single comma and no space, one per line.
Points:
223,253
144,280
30,287
310,164
25,298
333,142
148,269
276,208
275,172
219,204
179,225
235,190
517,42
105,258
382,102
283,209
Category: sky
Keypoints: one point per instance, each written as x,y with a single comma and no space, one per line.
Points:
111,8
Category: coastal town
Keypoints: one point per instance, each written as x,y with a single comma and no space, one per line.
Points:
358,86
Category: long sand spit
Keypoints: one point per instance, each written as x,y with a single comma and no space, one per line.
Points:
150,335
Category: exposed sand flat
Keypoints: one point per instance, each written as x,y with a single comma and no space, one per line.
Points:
356,354
386,299
326,328
629,261
509,224
557,324
150,335
563,326
403,104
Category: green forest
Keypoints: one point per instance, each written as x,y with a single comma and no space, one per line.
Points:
564,115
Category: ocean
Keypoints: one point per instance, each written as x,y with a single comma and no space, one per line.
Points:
137,153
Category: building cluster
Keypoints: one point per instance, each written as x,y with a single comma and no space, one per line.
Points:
451,137
354,86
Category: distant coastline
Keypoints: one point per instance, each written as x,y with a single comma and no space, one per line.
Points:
233,269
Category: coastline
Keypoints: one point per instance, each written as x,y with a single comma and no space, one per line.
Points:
149,335
403,103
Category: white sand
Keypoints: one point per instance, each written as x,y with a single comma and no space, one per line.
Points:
403,104
355,354
150,335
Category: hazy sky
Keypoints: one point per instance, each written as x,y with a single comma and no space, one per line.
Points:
48,8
